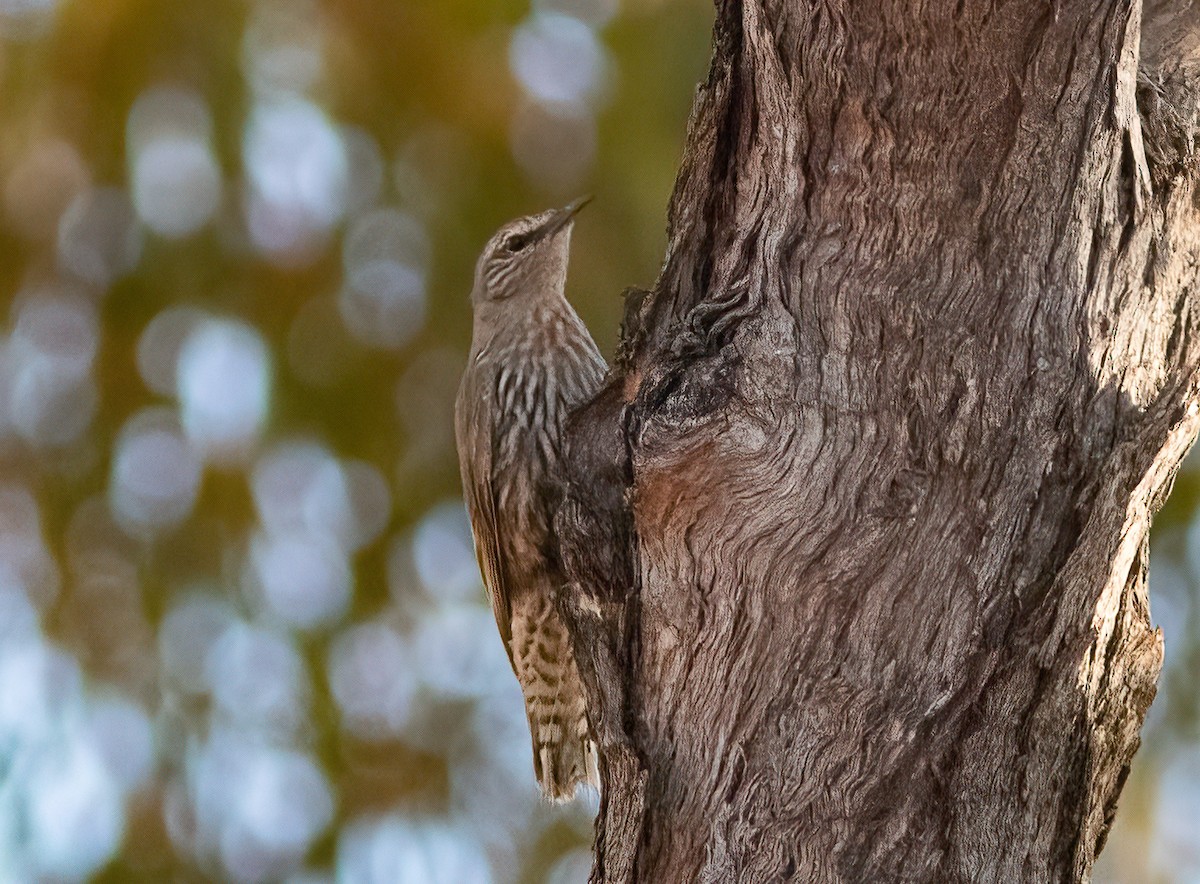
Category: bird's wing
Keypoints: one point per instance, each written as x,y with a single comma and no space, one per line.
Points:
475,462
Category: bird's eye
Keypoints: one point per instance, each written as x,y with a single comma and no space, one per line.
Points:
516,242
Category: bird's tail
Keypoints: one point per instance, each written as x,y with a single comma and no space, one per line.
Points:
564,751
564,754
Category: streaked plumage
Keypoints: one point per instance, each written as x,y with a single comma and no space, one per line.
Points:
531,360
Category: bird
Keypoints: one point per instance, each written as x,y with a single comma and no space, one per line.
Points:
531,361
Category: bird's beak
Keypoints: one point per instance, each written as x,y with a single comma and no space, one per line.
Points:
562,217
572,209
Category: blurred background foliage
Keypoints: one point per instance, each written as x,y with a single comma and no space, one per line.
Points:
242,635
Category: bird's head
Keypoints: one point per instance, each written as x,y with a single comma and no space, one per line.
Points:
526,254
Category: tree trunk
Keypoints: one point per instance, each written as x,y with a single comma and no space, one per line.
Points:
858,526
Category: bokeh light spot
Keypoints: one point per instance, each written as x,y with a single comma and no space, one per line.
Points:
121,732
255,806
371,676
459,653
257,678
186,636
75,814
296,162
155,474
223,381
25,19
98,237
176,181
399,849
52,394
444,554
557,58
305,578
27,568
386,255
176,185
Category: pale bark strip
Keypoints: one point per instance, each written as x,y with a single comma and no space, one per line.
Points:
858,527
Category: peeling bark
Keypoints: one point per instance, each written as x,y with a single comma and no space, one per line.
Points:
857,528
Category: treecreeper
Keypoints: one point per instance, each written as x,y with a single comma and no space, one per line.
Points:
532,361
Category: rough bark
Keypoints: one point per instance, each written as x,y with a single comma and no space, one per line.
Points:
858,526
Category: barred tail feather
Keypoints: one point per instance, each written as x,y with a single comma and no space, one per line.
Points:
563,757
564,753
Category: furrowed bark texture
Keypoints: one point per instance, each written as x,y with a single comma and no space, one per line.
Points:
858,527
